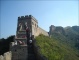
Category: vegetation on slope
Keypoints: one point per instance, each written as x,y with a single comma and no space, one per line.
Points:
52,49
70,37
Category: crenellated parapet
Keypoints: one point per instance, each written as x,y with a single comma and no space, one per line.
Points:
23,17
27,26
27,17
6,56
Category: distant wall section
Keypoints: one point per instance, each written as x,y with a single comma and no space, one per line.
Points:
40,31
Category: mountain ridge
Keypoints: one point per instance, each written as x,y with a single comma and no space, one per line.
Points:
63,44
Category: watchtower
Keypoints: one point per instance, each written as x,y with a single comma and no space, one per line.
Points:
26,27
31,22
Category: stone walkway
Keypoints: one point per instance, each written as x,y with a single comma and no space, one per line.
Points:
31,55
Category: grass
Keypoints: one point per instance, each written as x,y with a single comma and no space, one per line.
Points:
52,49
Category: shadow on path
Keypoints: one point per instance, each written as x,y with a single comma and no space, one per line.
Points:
31,55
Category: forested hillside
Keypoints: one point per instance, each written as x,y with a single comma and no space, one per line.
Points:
67,35
5,44
63,44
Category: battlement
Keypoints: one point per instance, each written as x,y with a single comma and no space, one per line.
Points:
19,47
6,56
23,17
27,17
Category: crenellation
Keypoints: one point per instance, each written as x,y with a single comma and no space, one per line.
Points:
18,17
22,17
18,48
30,16
1,57
6,56
26,16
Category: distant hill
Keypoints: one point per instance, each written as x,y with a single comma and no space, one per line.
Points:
68,35
63,44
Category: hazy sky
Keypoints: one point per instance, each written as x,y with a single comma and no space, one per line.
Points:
58,13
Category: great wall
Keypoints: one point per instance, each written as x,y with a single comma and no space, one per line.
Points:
27,28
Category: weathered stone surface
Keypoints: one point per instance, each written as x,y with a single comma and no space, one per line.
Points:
6,56
20,52
32,23
1,57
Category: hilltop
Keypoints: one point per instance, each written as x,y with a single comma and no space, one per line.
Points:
63,44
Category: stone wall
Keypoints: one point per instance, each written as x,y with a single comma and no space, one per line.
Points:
42,31
32,23
19,52
6,56
37,31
